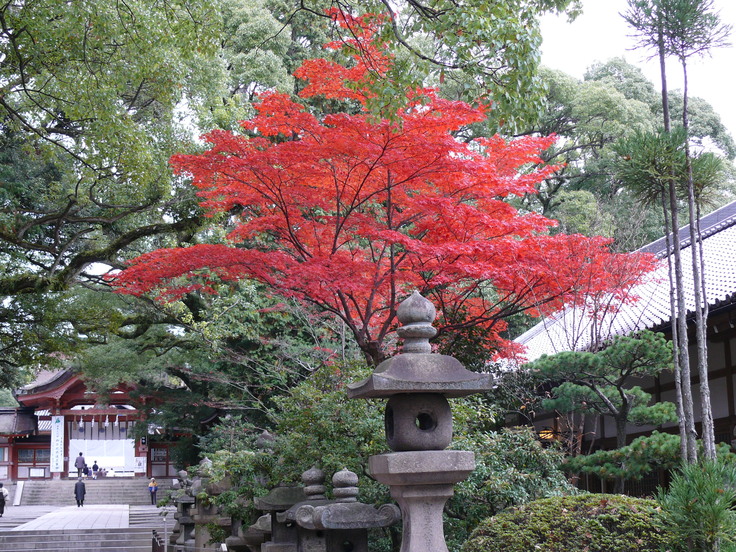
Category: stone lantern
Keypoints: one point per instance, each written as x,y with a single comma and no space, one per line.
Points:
418,422
315,524
339,525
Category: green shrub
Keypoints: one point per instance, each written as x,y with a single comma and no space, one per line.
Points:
583,523
697,509
512,468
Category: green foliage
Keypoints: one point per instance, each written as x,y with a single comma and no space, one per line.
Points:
7,399
647,163
481,49
698,508
600,523
588,117
237,350
578,212
601,382
613,102
512,468
316,424
90,100
313,425
627,79
642,456
517,391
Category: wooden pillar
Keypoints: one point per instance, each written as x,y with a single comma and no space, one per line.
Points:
729,386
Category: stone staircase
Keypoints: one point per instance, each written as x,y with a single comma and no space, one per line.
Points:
99,491
152,518
41,497
132,539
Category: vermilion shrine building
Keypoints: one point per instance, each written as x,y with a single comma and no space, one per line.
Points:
59,417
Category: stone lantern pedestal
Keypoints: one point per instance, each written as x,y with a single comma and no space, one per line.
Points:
421,482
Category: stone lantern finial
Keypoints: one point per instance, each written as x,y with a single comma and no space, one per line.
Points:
314,480
416,315
345,486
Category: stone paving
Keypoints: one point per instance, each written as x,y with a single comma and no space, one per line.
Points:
96,516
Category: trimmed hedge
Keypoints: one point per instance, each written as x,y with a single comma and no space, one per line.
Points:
582,523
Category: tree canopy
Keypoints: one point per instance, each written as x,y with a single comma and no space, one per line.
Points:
349,213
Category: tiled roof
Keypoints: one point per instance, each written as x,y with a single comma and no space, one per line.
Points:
571,330
45,379
16,421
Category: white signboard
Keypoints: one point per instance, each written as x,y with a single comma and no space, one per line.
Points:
57,444
140,464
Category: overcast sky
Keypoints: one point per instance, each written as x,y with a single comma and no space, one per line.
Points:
600,34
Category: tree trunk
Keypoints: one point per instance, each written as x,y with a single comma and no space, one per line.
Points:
683,358
683,354
619,483
709,445
675,340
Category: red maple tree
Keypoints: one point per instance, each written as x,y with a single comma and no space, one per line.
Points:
351,214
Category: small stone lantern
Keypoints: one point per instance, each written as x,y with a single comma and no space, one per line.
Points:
283,535
339,525
418,422
316,524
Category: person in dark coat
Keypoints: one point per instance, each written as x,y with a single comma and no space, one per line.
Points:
95,469
79,463
79,491
3,497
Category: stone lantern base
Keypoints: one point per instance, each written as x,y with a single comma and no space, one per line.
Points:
421,482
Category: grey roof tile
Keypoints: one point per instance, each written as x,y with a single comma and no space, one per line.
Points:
571,330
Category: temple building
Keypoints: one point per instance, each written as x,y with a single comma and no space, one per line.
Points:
571,330
59,417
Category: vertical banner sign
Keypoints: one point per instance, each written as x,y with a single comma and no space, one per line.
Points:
57,444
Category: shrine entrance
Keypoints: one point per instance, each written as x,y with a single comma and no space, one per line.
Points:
100,439
70,419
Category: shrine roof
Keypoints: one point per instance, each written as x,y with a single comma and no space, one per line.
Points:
17,421
45,381
65,389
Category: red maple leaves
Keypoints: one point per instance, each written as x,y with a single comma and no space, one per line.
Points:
351,214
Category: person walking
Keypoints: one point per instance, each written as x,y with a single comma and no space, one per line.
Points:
95,468
79,463
79,491
3,498
152,488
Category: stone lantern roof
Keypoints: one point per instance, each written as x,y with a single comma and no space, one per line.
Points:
416,369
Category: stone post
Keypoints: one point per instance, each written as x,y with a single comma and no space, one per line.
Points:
418,422
203,515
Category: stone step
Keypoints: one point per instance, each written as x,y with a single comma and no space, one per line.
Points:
152,518
100,491
75,547
142,546
89,540
13,519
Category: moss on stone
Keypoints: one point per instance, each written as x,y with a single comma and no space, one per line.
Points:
583,523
